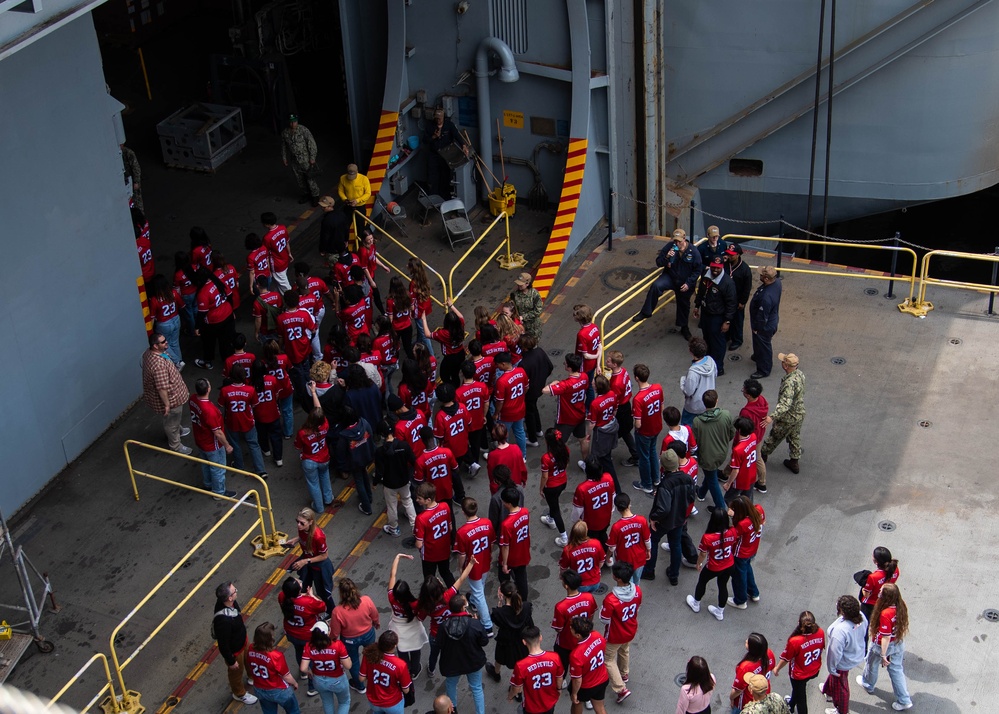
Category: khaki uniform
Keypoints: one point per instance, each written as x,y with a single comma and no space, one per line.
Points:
788,416
298,148
529,305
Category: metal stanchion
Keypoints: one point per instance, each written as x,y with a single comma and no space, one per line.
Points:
894,263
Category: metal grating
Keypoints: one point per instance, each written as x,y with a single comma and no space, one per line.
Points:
510,23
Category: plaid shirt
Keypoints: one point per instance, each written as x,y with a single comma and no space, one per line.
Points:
159,372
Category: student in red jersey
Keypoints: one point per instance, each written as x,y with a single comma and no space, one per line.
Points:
266,413
885,571
355,307
748,520
369,354
620,383
408,424
301,610
311,300
258,262
326,662
538,676
433,602
515,541
278,249
227,273
570,409
201,249
452,341
630,538
511,617
209,437
675,431
274,683
165,302
888,627
476,539
585,555
647,410
451,430
341,270
417,380
485,365
214,322
405,622
602,428
367,256
279,366
803,652
183,281
574,604
295,325
237,400
698,688
593,501
144,247
740,475
437,466
619,614
588,344
354,620
756,410
505,454
399,310
315,454
419,291
387,675
717,551
554,465
759,659
265,309
510,397
387,345
434,533
473,395
587,667
314,567
239,358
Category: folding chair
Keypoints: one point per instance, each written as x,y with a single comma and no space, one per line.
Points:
429,203
457,227
385,215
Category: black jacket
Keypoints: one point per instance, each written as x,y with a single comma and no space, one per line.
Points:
539,367
717,298
229,631
355,447
683,267
462,641
394,462
671,501
742,276
764,309
496,511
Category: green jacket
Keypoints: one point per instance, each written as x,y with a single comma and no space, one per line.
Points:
791,398
714,432
529,305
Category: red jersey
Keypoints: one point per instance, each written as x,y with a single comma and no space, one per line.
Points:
538,674
620,384
440,613
588,341
451,430
265,409
267,668
648,406
424,307
556,474
213,304
258,262
586,662
682,433
201,257
341,270
744,459
310,302
621,617
164,310
804,653
296,328
571,393
327,662
276,242
312,444
492,349
886,622
281,374
435,466
318,546
230,278
515,533
386,346
513,459
578,605
596,498
603,409
400,314
585,559
720,548
415,400
366,258
408,430
145,249
182,282
511,390
450,344
474,396
306,609
744,668
485,370
237,402
270,298
874,583
749,540
628,536
433,527
318,287
386,680
357,319
755,412
476,538
205,419
238,359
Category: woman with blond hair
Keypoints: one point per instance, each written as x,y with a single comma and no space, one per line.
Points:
314,566
888,627
354,621
585,555
419,291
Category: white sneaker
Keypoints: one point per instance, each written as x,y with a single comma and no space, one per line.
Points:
581,464
531,443
186,450
718,612
688,564
548,521
184,431
901,707
693,604
278,462
664,545
694,511
246,698
473,469
562,541
832,710
737,606
589,705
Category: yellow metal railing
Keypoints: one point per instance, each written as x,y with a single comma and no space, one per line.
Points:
73,680
504,244
266,545
920,306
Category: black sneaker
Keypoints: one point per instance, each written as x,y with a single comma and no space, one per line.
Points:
639,317
633,461
409,542
491,671
761,487
685,333
673,581
648,575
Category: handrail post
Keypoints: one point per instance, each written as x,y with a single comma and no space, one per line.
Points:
610,220
780,236
995,274
894,264
693,206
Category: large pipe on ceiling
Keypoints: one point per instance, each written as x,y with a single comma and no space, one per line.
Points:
507,73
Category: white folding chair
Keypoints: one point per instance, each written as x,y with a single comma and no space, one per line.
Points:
457,227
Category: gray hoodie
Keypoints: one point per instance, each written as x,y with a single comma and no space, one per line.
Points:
700,378
846,644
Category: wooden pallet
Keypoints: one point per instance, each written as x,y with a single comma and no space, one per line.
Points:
10,653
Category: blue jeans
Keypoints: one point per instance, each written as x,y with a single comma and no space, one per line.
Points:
710,482
287,407
744,581
519,434
648,463
354,646
474,683
896,653
422,337
171,331
330,688
187,314
637,575
299,647
397,708
478,599
213,476
589,588
317,480
237,438
687,418
271,698
362,484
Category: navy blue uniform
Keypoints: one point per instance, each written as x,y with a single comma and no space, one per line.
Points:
679,268
763,319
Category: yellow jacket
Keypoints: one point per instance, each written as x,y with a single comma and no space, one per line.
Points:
357,190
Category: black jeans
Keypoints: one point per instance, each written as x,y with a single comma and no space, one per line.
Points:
551,498
451,369
663,284
680,544
443,567
532,420
711,329
476,442
706,576
519,575
221,333
625,424
763,353
799,696
412,660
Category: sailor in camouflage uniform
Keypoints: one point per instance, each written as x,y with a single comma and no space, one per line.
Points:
529,304
133,171
298,146
787,417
